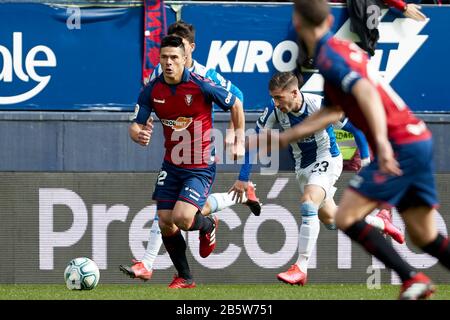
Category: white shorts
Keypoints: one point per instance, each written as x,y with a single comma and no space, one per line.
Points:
323,173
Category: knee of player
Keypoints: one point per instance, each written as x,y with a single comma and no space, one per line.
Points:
312,196
421,236
342,220
327,220
181,221
206,209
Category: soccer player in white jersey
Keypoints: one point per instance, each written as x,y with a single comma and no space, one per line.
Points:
143,269
318,165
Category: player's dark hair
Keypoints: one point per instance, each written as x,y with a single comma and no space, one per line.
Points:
183,30
172,41
314,12
283,80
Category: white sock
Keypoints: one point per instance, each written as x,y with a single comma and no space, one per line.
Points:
309,232
153,245
220,201
375,222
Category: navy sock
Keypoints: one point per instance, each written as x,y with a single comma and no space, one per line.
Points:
439,248
201,223
377,245
176,247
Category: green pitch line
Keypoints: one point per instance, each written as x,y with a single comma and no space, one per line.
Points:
209,292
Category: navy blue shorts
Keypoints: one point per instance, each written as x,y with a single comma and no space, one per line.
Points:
180,184
416,187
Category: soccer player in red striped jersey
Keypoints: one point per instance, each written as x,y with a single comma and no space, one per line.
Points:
401,175
183,101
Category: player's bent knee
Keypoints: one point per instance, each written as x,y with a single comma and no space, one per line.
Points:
164,217
421,235
206,209
181,220
326,218
313,193
343,220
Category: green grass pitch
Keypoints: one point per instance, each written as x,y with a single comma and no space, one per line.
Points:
210,292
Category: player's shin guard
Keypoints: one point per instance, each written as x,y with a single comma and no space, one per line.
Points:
220,201
309,232
439,248
201,223
377,245
176,247
153,245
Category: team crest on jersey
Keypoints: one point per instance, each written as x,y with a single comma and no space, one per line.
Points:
179,124
188,98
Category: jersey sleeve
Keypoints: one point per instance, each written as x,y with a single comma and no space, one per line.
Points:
336,70
268,118
144,106
156,72
360,139
397,4
314,101
340,124
265,121
219,80
219,95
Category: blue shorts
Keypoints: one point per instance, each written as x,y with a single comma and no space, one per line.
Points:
180,184
416,187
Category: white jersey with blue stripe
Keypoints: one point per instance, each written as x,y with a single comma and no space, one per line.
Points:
308,150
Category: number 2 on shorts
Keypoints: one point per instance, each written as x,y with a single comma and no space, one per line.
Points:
161,177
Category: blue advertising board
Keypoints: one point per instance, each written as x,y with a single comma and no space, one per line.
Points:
47,65
247,44
58,58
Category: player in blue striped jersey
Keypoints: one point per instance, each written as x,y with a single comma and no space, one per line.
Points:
143,269
318,165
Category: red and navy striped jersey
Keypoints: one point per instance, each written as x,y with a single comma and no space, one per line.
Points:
185,111
342,63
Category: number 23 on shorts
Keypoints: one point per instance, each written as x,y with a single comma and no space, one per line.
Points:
321,166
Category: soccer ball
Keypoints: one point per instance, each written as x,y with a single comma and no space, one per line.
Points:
81,274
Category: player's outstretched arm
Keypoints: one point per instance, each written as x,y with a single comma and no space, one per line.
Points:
230,136
140,133
238,119
361,142
412,11
372,107
317,121
269,139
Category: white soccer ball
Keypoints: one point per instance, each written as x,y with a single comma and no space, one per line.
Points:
81,274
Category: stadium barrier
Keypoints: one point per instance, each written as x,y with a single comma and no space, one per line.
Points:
50,218
50,142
